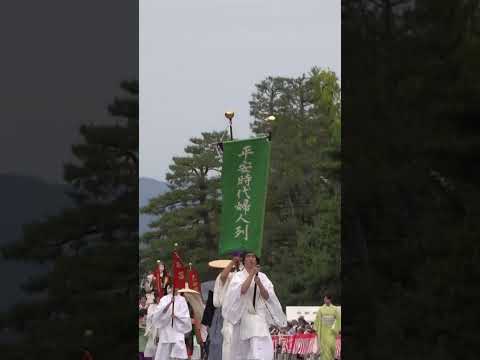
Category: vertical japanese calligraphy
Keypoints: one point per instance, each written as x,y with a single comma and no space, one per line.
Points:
244,189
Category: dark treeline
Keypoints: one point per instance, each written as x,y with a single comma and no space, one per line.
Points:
410,181
90,248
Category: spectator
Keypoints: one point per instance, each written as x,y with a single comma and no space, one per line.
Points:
302,321
293,328
143,303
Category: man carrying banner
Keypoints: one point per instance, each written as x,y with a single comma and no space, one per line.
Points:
251,305
171,338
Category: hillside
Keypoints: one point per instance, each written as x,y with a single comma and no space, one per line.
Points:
24,199
148,189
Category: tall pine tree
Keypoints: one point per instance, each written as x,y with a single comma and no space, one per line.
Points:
188,214
302,226
89,249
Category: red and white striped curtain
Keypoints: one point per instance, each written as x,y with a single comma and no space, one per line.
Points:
302,344
338,347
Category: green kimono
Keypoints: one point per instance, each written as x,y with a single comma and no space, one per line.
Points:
327,325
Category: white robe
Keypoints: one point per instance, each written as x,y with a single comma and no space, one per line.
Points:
251,336
219,292
150,299
151,332
171,344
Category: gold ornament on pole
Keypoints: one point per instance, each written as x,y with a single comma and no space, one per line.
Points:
229,115
269,120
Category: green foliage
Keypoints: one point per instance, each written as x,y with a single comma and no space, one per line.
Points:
411,234
84,245
302,225
188,214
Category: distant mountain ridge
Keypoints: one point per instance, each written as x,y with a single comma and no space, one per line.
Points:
148,189
24,199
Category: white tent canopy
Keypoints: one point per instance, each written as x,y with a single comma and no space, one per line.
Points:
308,312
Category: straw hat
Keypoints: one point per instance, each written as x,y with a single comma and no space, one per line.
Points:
196,302
219,264
188,290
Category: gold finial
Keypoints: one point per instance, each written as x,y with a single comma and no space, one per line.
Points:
229,115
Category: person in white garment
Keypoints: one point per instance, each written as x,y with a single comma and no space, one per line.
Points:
251,305
221,285
196,339
171,339
151,332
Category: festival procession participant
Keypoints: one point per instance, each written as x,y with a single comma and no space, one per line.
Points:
207,320
172,319
150,297
197,337
161,279
151,332
147,283
251,305
327,325
221,331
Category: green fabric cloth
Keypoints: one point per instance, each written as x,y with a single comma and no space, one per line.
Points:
142,340
327,325
244,192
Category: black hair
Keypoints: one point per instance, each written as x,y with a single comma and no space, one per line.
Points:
245,254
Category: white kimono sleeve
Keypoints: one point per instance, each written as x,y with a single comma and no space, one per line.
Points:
220,290
182,322
149,328
233,304
274,314
160,319
182,325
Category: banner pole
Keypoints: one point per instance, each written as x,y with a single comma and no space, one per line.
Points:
173,287
229,115
173,303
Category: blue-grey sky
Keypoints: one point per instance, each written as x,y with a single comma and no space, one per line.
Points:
62,64
201,58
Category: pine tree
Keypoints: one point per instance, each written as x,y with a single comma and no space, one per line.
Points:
188,214
302,226
410,232
84,246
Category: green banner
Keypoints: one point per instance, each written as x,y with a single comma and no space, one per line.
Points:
246,164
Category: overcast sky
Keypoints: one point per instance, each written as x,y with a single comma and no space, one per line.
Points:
61,66
201,58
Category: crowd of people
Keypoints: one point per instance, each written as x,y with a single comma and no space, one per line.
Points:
298,326
237,322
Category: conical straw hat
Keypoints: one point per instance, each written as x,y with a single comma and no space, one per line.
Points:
219,264
188,290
